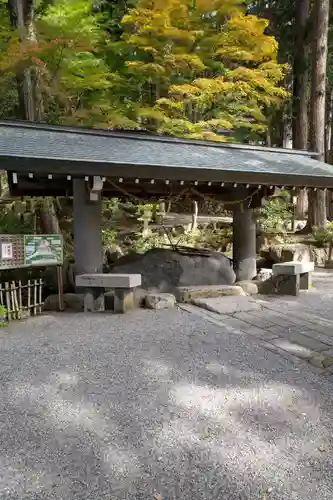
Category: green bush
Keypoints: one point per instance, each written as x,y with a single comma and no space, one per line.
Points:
13,223
323,235
3,316
276,215
217,239
108,236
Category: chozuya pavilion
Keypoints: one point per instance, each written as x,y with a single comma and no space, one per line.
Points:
45,160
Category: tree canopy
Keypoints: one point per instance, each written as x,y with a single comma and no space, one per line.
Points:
187,68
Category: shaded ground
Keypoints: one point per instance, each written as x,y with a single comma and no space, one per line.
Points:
118,407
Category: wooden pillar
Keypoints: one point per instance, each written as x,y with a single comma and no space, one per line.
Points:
87,230
244,242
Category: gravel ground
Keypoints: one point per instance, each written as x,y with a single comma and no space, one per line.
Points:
118,407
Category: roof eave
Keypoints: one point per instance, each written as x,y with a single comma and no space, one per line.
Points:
169,172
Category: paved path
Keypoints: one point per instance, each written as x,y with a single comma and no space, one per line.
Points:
294,327
108,407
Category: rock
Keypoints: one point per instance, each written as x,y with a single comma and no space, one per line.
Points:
111,254
72,301
317,361
266,287
296,252
320,256
164,270
249,287
186,294
287,253
160,300
328,361
299,225
264,274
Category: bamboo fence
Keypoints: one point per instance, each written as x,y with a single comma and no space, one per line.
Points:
20,300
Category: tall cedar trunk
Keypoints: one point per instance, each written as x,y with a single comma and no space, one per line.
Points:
287,131
31,102
328,121
317,200
300,93
329,158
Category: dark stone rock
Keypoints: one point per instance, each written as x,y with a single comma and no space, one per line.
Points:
111,254
72,301
163,270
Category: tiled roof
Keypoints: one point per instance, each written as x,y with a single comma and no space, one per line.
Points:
21,141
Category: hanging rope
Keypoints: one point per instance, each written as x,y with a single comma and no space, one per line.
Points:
184,193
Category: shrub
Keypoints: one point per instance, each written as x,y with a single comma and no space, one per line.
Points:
324,235
275,215
3,316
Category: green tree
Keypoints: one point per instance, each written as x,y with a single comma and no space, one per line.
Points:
194,69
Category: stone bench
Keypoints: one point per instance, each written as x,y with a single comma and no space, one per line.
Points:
291,277
94,286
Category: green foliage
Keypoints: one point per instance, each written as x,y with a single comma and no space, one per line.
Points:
12,223
323,235
211,239
3,316
173,67
193,70
275,215
108,236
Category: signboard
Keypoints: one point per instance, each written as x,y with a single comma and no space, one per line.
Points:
7,251
18,250
12,251
43,250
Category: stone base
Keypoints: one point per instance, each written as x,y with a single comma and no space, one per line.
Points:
123,300
306,281
139,298
94,300
287,285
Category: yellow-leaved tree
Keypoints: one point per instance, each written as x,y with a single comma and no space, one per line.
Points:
197,68
194,68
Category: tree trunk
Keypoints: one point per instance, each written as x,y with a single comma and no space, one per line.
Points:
194,224
329,159
300,93
328,124
31,101
48,217
22,17
317,199
287,132
302,205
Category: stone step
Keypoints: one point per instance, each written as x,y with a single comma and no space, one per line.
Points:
188,293
227,305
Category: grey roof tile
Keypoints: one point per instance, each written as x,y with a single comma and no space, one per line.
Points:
75,145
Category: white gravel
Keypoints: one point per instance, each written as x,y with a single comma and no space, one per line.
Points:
117,407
